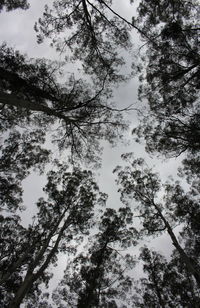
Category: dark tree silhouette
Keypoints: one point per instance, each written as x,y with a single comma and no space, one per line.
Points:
168,284
64,216
170,80
92,31
20,153
138,182
31,95
98,278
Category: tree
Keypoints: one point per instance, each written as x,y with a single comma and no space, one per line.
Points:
171,135
97,279
168,284
187,211
138,182
31,95
69,209
93,32
151,291
31,91
172,55
33,99
12,238
20,153
182,285
170,81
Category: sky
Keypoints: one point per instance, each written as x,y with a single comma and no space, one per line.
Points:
16,28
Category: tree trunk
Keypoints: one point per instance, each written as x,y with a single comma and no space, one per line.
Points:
22,291
88,298
17,82
31,277
21,259
12,100
192,266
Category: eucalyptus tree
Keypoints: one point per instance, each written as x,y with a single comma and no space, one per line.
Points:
20,154
62,220
151,291
187,211
92,31
167,284
31,96
99,277
157,214
183,286
170,78
81,113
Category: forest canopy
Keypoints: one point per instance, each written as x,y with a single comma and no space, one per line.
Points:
55,124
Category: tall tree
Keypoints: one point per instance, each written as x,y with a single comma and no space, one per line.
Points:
170,80
30,92
138,182
20,153
12,238
187,211
63,217
92,31
168,284
31,95
151,290
98,279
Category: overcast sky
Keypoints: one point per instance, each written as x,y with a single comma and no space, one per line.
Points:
16,28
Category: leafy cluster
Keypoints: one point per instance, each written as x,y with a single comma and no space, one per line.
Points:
39,104
170,80
13,5
94,34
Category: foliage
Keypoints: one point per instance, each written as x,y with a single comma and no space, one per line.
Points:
10,5
30,95
157,213
63,218
92,32
168,284
98,279
38,102
170,81
20,153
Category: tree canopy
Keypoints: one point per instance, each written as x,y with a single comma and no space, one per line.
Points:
31,96
170,81
94,35
106,252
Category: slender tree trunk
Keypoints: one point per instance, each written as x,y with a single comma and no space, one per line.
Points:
192,266
31,277
24,256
